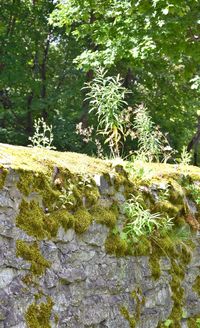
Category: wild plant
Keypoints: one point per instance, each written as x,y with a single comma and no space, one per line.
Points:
152,143
141,221
136,169
67,196
185,160
87,135
164,193
43,135
106,96
194,190
186,157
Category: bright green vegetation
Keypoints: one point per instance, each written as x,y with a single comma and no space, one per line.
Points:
98,77
38,160
57,196
153,45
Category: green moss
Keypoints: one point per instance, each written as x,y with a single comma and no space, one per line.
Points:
32,220
131,320
3,174
31,253
194,322
191,322
139,300
64,218
92,195
196,286
115,245
154,262
177,272
39,159
35,222
82,220
104,216
142,247
38,315
56,319
167,207
29,279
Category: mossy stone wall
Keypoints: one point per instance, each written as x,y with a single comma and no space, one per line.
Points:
63,261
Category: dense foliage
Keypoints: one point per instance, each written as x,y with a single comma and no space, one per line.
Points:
49,49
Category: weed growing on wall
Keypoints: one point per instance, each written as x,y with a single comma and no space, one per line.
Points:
106,96
152,143
141,221
43,135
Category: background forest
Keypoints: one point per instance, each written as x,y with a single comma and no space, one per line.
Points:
51,50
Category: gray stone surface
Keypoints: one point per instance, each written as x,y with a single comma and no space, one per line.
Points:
88,287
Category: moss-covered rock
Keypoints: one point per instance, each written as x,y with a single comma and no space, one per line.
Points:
82,220
3,174
38,315
196,286
31,253
115,245
104,216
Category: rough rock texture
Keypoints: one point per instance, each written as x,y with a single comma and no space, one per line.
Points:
87,286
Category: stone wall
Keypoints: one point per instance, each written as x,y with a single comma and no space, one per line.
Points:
80,285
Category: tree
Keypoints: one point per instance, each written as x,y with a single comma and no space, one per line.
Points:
154,44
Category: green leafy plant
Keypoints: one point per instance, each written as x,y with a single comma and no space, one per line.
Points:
136,170
164,193
106,97
43,135
141,221
152,143
185,158
194,190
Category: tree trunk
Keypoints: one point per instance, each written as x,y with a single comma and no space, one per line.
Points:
43,77
194,143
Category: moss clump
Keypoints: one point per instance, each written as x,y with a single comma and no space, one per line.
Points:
59,190
137,296
3,174
35,222
104,216
196,286
63,218
142,247
191,322
42,184
115,245
194,322
167,207
32,220
154,262
28,279
82,220
31,253
131,320
91,195
177,272
38,315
